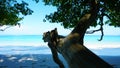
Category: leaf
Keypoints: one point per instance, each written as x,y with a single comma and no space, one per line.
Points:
69,12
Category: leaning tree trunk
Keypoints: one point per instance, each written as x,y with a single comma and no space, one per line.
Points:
86,20
55,55
73,50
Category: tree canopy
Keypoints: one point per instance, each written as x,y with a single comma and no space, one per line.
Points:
12,11
69,12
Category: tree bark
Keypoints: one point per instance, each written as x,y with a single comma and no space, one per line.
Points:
55,55
86,21
78,56
73,50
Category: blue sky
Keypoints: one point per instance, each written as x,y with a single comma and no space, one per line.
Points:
34,25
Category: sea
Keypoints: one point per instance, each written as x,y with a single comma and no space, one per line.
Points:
27,44
108,49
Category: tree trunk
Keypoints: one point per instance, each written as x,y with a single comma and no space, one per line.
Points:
86,21
55,55
78,56
73,50
71,47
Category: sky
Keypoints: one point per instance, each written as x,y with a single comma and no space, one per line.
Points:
34,25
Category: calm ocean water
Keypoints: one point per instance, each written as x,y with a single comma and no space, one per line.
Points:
33,44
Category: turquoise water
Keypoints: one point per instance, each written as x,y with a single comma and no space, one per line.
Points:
24,44
106,38
25,40
108,41
36,39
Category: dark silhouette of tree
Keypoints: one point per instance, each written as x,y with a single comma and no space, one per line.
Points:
12,11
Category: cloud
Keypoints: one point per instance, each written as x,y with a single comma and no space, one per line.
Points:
101,46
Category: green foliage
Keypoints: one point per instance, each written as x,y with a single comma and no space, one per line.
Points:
69,12
12,11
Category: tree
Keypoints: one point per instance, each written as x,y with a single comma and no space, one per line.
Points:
82,14
13,11
70,12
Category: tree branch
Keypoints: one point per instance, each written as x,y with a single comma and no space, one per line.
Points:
102,33
5,28
86,20
100,29
107,16
93,31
